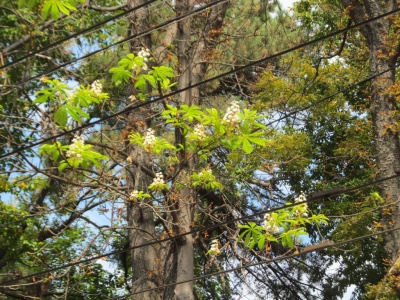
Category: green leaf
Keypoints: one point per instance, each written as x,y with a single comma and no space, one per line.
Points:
54,11
120,75
261,242
61,116
140,83
247,240
30,3
62,166
247,147
162,73
46,9
258,141
76,112
241,236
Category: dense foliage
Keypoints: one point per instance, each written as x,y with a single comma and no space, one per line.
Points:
129,166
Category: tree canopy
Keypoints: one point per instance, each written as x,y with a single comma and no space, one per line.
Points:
199,150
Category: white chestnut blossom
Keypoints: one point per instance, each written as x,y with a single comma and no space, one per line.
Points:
144,53
301,198
96,87
231,116
132,98
214,249
200,131
159,179
302,209
158,183
270,225
207,171
149,139
134,194
76,148
145,67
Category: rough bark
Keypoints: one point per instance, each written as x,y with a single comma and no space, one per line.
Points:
185,265
384,109
175,260
146,272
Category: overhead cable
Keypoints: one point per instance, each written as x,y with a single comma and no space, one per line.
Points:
72,36
126,39
137,106
257,62
312,198
267,261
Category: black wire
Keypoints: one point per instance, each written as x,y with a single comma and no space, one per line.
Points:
312,198
257,62
113,18
128,38
281,258
323,99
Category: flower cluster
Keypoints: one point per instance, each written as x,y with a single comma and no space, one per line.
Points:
302,209
149,139
96,87
205,179
301,198
132,98
134,195
214,249
207,171
231,116
158,183
138,195
76,148
144,53
199,132
270,225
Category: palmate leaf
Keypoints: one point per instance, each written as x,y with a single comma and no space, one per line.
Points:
162,73
120,74
251,235
76,113
191,112
245,141
55,7
51,150
61,115
94,157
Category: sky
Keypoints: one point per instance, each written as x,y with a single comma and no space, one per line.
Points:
286,3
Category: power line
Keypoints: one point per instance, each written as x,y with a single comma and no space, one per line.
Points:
128,38
223,74
59,42
323,99
192,86
257,62
280,258
130,108
313,198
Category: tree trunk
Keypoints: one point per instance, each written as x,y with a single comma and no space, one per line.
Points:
384,109
175,260
146,270
186,201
